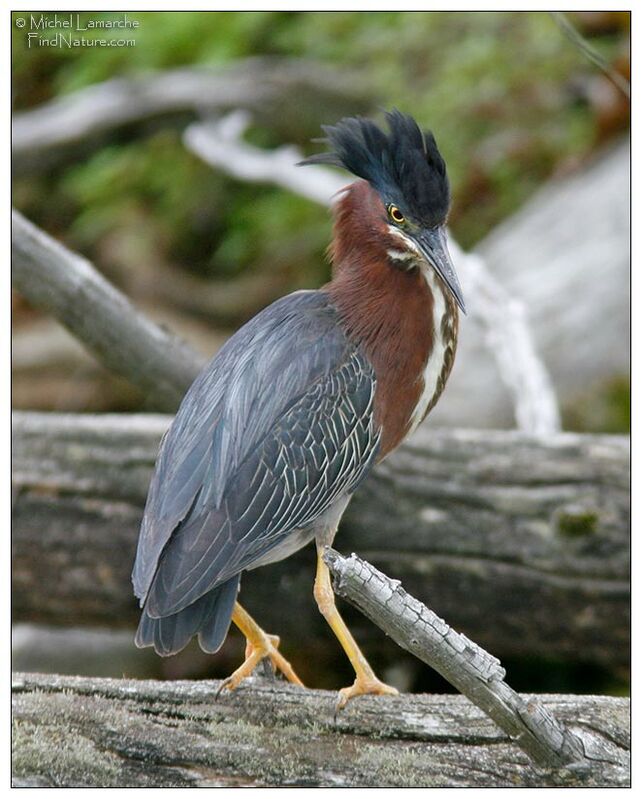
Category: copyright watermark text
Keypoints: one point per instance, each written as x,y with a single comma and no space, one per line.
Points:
67,30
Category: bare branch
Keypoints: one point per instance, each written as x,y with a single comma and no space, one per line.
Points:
220,144
66,285
508,338
573,35
474,672
292,96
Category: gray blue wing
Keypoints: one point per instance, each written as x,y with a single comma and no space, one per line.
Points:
277,428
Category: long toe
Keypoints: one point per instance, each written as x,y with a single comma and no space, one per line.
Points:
280,663
244,670
254,654
364,685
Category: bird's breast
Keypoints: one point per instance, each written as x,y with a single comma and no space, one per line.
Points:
413,364
405,322
442,354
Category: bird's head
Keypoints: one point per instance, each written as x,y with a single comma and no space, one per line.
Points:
408,198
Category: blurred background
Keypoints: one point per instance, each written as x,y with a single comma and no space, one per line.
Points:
526,123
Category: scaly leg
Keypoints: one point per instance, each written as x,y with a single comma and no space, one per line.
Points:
259,645
366,682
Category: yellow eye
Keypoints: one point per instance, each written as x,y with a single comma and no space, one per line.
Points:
396,215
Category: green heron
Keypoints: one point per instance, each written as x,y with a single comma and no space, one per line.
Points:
278,431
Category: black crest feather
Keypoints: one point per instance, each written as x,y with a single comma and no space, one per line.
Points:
404,165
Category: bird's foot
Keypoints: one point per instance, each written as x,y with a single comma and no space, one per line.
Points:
364,685
264,647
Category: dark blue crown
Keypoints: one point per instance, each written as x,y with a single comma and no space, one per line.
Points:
404,165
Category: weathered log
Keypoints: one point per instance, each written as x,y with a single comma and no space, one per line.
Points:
521,542
73,731
548,741
291,96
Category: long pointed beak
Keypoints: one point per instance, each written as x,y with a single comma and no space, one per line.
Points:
432,243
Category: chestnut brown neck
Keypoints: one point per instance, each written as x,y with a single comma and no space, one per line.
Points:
387,308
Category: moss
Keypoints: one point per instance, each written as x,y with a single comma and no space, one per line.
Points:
604,408
251,757
60,758
231,732
393,766
576,525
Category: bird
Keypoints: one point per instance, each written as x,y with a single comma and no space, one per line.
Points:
285,422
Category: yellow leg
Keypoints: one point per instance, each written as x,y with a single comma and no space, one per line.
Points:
366,682
259,645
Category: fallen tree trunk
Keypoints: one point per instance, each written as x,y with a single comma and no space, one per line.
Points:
72,731
521,542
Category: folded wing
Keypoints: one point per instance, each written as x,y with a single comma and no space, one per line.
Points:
271,434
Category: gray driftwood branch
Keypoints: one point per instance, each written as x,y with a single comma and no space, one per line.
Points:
291,96
74,731
67,286
474,672
565,255
521,541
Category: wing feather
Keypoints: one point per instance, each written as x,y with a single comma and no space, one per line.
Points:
275,430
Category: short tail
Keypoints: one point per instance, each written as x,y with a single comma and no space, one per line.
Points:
209,617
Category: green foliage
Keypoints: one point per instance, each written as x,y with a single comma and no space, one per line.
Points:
491,85
276,220
155,180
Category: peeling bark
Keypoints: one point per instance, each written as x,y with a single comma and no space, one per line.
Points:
472,670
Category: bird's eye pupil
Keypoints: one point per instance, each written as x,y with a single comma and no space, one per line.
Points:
395,214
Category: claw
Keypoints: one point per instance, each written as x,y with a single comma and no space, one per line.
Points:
363,685
220,689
